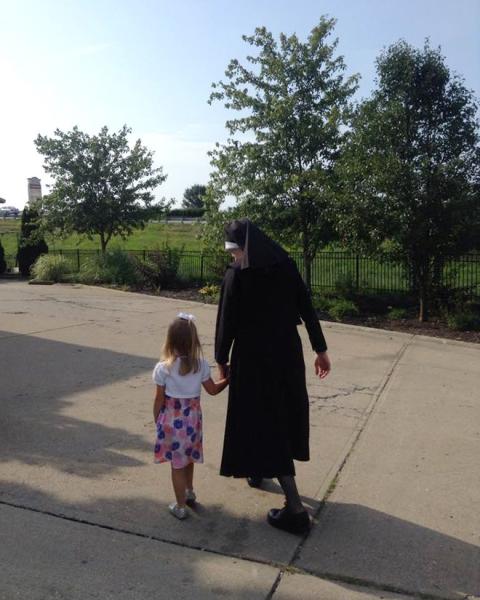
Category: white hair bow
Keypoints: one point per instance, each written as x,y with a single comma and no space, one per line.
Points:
186,316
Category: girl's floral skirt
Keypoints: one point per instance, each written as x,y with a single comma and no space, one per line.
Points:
179,432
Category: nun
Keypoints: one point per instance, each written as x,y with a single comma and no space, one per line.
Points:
263,299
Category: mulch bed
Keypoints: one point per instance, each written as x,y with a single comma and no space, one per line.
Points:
414,327
411,326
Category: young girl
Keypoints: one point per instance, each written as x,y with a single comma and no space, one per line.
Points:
176,407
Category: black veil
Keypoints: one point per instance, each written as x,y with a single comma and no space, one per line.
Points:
259,249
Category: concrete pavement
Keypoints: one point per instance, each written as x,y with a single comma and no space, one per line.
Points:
395,437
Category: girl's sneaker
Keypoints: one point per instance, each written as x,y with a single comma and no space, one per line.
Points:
177,511
190,497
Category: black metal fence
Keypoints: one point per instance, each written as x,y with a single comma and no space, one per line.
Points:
329,270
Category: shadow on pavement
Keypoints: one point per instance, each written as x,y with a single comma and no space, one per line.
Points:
42,381
45,557
358,542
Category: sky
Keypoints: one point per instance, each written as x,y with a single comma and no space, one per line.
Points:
150,64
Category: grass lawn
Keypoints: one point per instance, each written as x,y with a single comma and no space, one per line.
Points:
154,234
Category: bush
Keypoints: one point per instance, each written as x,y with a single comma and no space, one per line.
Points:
466,320
31,243
50,268
215,264
341,308
381,303
115,267
91,271
397,313
160,267
3,264
345,286
210,293
321,301
186,212
452,300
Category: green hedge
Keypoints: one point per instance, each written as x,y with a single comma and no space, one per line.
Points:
3,264
186,212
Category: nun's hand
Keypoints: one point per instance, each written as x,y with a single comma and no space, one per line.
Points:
224,371
322,365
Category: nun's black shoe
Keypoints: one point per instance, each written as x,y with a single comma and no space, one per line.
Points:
255,482
282,518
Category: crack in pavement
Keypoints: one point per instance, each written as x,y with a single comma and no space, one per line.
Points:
346,411
343,393
96,307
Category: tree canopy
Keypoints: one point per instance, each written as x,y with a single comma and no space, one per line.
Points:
278,163
410,173
101,185
194,196
31,243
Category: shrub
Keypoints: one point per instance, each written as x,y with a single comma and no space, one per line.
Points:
91,271
160,267
31,243
3,264
466,320
215,264
398,313
341,308
50,268
210,293
345,286
380,303
186,212
115,267
321,301
119,268
452,300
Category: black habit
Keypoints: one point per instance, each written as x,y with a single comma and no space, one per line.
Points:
262,301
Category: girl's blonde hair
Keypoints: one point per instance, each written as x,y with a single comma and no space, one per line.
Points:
182,342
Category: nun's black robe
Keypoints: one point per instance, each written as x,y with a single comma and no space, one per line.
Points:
267,422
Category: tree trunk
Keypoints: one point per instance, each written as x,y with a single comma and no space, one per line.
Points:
423,306
424,293
103,243
307,262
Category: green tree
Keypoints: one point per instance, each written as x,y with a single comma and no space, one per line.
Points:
31,243
101,185
411,170
3,264
279,159
194,196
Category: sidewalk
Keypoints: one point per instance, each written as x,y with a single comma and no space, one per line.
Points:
395,437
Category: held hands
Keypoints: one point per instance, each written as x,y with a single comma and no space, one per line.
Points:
224,371
322,365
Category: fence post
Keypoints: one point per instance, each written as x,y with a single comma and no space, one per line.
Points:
201,268
144,255
357,271
78,259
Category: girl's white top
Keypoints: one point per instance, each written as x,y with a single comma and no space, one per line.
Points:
181,386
